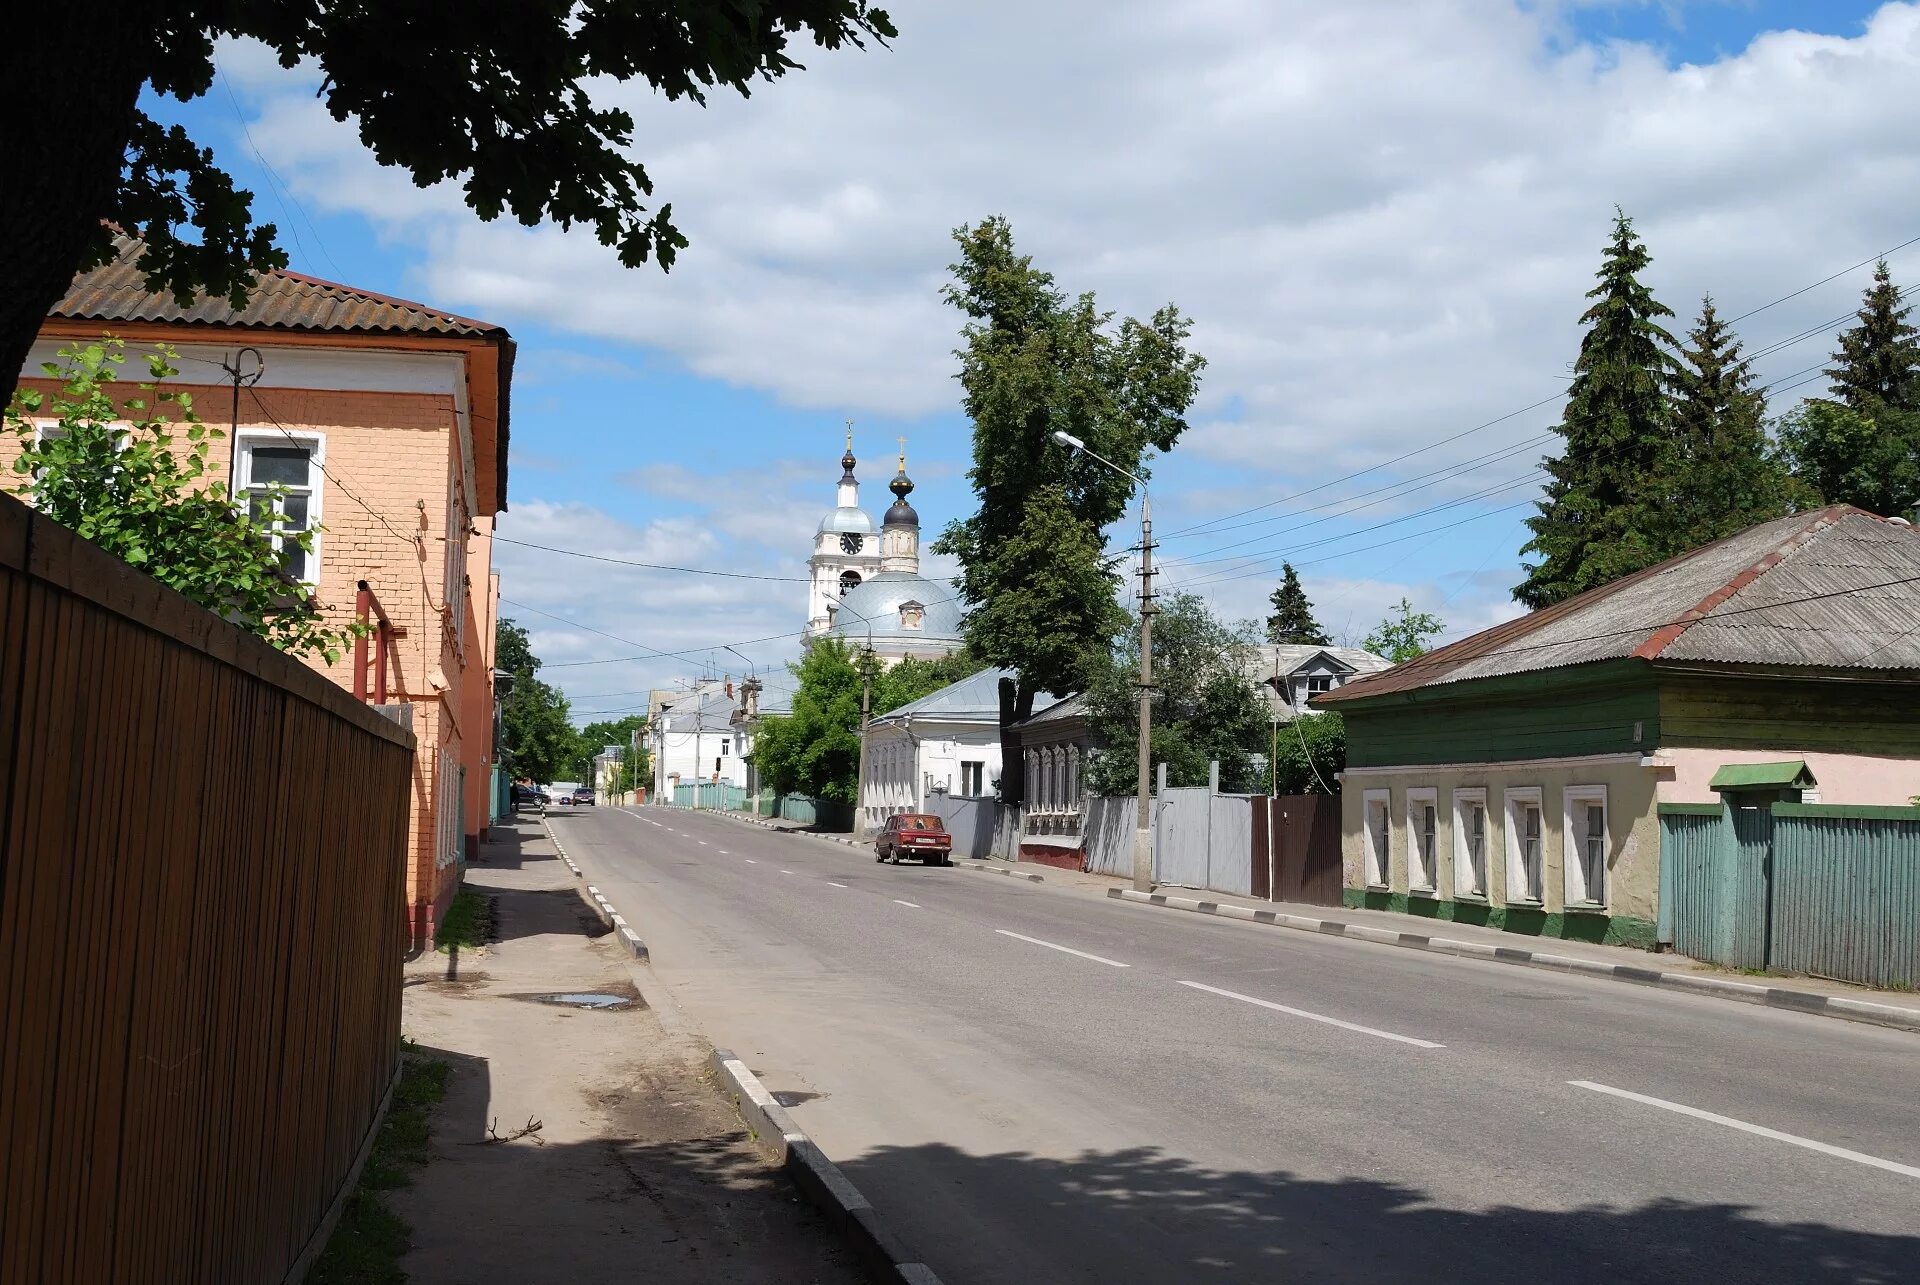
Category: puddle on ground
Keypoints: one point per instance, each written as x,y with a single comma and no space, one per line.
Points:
581,999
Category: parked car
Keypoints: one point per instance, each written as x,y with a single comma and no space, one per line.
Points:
563,792
529,796
582,797
914,834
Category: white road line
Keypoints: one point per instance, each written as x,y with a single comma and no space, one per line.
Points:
1314,1017
703,843
908,904
832,884
1066,950
786,872
1823,1148
723,852
752,862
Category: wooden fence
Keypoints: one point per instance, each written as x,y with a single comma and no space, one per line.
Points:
200,870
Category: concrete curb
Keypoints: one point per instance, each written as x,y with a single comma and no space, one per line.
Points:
1852,1010
980,864
778,829
629,939
852,1216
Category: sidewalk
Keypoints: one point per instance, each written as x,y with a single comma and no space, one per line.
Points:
640,1168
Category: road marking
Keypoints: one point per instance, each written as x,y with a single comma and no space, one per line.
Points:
752,862
786,872
723,852
908,904
1314,1017
1823,1148
703,843
1068,950
832,884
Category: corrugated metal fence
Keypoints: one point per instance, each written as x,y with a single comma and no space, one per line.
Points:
200,871
1810,888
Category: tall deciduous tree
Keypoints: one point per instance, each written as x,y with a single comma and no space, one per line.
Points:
1034,571
1601,518
537,740
493,94
1206,705
1724,475
1292,618
592,740
1404,633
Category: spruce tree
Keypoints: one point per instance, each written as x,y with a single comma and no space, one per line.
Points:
1292,619
1601,517
1724,476
1879,360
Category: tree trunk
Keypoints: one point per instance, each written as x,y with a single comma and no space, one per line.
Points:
68,94
1016,706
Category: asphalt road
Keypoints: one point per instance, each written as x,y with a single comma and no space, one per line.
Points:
1039,1084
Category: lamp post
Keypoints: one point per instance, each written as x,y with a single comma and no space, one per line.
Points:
1143,817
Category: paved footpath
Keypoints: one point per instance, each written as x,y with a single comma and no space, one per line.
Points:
641,1170
1034,1082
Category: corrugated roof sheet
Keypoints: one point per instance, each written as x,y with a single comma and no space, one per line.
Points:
970,700
283,300
1838,588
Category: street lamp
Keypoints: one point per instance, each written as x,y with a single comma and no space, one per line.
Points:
1143,817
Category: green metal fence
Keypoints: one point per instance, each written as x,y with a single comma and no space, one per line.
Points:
1828,890
719,796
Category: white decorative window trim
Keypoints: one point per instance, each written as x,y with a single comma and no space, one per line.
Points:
1423,850
1573,851
1376,835
1517,798
1467,881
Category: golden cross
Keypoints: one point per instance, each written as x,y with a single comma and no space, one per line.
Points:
849,434
903,454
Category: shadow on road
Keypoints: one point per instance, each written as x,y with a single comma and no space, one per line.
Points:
1137,1215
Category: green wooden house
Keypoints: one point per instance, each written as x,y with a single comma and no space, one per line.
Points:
1514,778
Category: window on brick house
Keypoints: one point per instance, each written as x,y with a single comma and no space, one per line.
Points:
280,474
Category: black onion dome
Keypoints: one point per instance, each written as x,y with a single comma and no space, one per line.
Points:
901,514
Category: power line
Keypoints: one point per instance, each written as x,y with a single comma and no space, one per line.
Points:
650,566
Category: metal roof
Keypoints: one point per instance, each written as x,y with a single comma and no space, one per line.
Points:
1747,776
1837,588
971,700
872,609
118,291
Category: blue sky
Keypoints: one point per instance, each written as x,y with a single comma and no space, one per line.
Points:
1381,222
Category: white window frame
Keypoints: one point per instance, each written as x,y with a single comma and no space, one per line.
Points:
244,443
1465,799
1376,857
1514,799
973,777
1573,846
1425,864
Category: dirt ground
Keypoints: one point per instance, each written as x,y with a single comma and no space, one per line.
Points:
638,1170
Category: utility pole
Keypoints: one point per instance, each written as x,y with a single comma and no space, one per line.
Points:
866,702
1143,819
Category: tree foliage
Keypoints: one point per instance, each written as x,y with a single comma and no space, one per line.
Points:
1404,634
1034,572
1309,754
494,95
130,474
1206,706
1724,475
537,740
1862,446
1601,517
1292,620
815,750
636,768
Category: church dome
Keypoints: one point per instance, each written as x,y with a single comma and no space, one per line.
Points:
902,608
843,520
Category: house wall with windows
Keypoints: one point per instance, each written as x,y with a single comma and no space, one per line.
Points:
390,446
1559,847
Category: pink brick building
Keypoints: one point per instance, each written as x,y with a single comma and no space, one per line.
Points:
387,423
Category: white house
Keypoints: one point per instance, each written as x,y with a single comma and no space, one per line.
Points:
1290,674
695,739
947,742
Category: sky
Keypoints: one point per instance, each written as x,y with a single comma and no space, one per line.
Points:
1381,219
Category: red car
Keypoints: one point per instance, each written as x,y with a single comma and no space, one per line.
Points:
914,834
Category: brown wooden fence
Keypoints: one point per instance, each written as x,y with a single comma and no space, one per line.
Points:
200,871
1296,848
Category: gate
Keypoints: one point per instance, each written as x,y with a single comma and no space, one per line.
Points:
1296,849
1180,827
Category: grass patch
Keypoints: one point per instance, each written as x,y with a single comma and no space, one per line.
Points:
468,919
369,1239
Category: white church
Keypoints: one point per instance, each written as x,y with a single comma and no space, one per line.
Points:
865,585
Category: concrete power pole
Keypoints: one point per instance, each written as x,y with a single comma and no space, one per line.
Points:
1143,820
